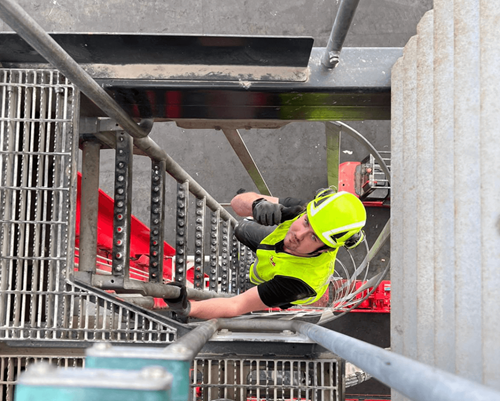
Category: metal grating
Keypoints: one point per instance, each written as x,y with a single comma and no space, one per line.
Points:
265,379
37,164
38,149
12,366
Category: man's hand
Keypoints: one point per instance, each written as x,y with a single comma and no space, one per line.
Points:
270,214
267,213
179,305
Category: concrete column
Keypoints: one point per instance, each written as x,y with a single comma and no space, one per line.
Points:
443,184
397,212
424,191
409,266
467,189
489,16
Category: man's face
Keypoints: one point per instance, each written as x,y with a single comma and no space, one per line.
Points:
300,239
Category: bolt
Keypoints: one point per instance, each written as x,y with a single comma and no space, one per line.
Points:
153,372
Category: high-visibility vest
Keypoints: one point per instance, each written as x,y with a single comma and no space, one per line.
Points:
314,271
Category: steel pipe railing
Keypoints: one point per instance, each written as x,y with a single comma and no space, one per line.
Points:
21,22
413,379
343,19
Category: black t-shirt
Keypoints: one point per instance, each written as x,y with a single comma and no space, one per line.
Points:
281,291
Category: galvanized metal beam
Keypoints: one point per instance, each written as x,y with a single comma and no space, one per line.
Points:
333,136
89,207
358,89
236,141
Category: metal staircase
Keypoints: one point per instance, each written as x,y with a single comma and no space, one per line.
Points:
51,311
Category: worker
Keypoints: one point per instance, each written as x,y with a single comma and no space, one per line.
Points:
295,244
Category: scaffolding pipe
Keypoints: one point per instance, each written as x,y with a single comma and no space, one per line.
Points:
156,290
415,380
148,146
21,22
15,16
192,343
343,19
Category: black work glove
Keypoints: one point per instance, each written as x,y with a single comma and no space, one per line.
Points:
179,305
270,214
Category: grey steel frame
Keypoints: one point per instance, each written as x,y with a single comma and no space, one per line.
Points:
343,19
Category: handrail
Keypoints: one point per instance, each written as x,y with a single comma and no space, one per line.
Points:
19,20
413,379
343,19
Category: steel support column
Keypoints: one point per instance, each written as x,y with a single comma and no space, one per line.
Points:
236,141
89,206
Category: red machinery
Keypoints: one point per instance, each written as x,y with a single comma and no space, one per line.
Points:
366,180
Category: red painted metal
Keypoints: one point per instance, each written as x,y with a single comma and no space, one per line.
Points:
347,182
139,240
347,173
379,300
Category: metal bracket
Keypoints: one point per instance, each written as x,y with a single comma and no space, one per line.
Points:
199,251
181,229
122,205
157,225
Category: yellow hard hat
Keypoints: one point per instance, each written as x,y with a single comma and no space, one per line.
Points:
335,217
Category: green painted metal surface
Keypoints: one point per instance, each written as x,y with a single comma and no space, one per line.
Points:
54,393
179,369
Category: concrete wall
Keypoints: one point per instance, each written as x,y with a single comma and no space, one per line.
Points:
445,233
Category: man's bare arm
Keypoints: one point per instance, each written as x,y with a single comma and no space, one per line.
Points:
242,203
213,308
